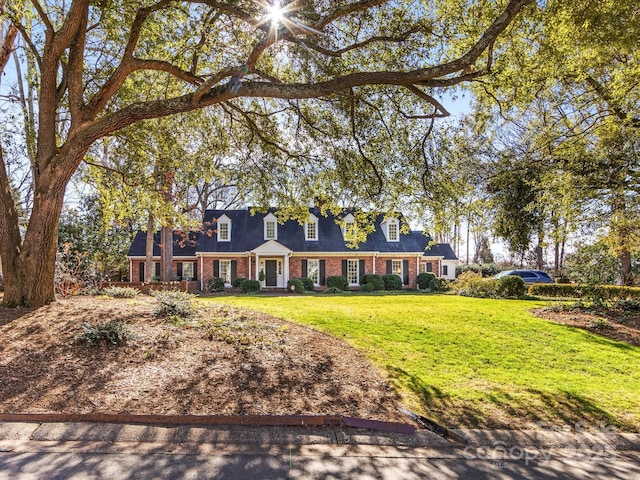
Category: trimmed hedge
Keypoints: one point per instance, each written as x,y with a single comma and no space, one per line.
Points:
510,286
439,285
375,281
295,285
250,286
607,292
308,283
392,282
424,280
237,283
367,287
215,284
338,281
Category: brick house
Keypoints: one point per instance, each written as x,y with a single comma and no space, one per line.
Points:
238,244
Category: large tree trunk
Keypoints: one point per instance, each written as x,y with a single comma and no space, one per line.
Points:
166,254
10,240
625,267
29,266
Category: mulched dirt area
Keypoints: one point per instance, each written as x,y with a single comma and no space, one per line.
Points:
618,325
228,362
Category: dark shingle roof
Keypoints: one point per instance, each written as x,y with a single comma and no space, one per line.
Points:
247,233
184,245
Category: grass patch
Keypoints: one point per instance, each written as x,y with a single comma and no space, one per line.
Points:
477,362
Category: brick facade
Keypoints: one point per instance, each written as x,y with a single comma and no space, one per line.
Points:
333,266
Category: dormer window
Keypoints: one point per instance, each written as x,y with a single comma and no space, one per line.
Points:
349,227
270,227
391,230
311,229
224,229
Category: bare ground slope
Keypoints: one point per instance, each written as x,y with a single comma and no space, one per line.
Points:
227,362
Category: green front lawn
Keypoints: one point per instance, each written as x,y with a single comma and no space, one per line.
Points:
477,362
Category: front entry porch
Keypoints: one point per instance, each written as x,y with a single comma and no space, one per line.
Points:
272,264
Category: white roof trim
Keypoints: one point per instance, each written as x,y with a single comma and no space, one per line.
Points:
271,247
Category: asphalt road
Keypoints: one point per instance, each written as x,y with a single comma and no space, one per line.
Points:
86,450
320,464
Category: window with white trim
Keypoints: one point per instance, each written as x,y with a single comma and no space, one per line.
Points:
352,272
349,228
224,230
445,270
396,268
270,227
311,230
313,271
426,267
187,271
225,271
392,230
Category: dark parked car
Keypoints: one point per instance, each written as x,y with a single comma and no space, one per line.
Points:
529,276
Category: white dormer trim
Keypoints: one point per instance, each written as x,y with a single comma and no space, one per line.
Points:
347,224
311,236
391,229
268,220
224,220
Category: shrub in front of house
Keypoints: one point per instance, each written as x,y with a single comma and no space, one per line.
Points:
250,286
173,305
367,287
392,282
470,284
510,286
121,292
371,279
308,283
215,284
439,285
237,283
338,281
295,285
424,280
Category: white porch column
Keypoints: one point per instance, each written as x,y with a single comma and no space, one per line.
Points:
257,267
201,273
285,271
249,262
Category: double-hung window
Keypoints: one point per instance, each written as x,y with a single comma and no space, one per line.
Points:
352,272
311,231
393,231
396,268
187,271
225,271
223,232
313,271
270,230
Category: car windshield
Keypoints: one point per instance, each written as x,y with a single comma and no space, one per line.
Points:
544,275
